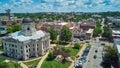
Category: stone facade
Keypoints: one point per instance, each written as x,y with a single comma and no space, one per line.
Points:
26,43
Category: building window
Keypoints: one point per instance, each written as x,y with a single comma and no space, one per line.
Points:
27,55
37,45
37,49
21,47
29,45
12,45
28,28
26,50
5,43
21,52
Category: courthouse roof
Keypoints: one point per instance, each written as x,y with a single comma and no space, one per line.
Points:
19,36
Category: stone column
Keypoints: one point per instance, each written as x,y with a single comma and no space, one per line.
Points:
36,52
24,52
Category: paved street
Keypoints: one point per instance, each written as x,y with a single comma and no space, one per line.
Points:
91,62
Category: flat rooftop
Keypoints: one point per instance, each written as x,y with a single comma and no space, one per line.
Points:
116,31
90,31
117,43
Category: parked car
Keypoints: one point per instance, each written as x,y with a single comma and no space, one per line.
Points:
87,41
102,43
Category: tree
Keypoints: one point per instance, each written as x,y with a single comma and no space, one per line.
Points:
97,31
65,54
9,29
65,34
61,51
107,32
53,34
50,56
13,28
111,54
77,46
16,27
0,32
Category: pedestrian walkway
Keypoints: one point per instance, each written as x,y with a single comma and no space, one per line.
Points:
32,59
82,49
42,60
23,65
79,53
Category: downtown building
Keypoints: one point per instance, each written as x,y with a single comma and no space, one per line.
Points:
26,43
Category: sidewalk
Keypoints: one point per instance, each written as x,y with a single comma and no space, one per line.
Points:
42,60
79,53
31,59
22,65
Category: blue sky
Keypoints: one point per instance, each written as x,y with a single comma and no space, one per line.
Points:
23,6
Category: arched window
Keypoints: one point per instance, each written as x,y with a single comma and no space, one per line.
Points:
28,28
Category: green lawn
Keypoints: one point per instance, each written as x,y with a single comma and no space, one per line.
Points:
88,46
1,49
55,64
73,51
1,60
9,64
32,63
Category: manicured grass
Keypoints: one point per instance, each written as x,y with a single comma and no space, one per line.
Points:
1,49
73,51
1,60
54,42
32,63
88,46
9,64
55,64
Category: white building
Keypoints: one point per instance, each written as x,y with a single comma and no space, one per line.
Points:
26,43
116,21
117,45
115,33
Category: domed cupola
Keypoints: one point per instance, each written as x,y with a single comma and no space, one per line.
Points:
27,20
28,26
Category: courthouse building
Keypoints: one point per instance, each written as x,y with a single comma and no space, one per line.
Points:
26,43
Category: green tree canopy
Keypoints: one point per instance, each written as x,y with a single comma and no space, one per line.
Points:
65,34
77,46
97,31
50,56
53,34
0,32
111,54
13,28
106,32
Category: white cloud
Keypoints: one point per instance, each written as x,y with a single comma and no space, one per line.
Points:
27,1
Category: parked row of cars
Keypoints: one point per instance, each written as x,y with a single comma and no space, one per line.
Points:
82,59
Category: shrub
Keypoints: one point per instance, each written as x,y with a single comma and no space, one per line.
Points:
77,46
